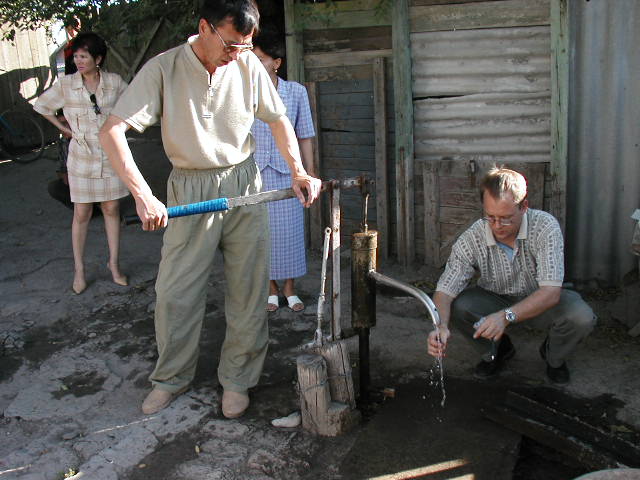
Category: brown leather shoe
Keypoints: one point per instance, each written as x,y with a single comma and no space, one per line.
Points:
159,399
234,404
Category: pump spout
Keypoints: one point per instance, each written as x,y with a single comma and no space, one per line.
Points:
421,296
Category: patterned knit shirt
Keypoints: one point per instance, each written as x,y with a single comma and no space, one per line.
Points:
538,258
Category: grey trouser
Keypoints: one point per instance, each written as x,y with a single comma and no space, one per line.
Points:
190,244
569,322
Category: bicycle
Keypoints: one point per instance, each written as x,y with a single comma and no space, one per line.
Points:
21,137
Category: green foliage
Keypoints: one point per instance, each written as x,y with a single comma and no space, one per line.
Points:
110,18
131,18
33,14
307,11
134,19
383,8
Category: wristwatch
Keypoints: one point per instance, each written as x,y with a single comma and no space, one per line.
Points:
510,315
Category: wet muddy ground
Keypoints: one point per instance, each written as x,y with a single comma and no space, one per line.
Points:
73,371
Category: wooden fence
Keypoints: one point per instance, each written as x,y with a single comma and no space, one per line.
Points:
24,69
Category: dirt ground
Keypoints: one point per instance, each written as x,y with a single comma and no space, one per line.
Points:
73,371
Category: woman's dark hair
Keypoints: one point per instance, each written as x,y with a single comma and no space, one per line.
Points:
244,14
93,43
271,43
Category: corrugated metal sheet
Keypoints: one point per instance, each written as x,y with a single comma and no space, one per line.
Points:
604,139
482,94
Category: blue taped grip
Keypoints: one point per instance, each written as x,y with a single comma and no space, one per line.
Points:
216,205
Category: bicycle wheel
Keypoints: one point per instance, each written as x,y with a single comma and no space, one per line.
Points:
21,136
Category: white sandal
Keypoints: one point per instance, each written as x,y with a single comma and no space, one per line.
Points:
273,303
295,303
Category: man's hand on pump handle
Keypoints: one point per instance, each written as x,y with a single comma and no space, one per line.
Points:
310,185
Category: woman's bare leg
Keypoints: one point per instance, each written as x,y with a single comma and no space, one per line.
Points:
111,214
81,215
289,288
273,287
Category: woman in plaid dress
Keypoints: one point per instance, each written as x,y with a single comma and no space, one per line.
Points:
286,217
86,98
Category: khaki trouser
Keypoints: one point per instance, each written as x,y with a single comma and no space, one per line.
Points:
569,322
190,244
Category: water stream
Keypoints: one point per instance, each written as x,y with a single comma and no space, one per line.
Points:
439,365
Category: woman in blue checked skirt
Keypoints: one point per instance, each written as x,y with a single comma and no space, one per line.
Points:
286,217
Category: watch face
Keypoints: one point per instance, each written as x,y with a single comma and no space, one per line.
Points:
510,316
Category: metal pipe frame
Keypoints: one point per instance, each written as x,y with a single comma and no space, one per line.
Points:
415,292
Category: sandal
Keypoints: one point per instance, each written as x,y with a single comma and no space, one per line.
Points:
295,303
272,303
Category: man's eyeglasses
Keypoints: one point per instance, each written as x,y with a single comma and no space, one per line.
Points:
96,108
232,47
505,222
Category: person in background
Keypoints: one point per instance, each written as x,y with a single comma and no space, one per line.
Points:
86,98
59,187
71,28
518,253
286,217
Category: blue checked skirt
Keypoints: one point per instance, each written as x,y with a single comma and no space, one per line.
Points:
286,222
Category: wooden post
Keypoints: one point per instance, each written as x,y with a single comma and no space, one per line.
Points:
559,108
431,183
295,54
316,229
319,414
382,182
336,326
403,97
314,392
336,355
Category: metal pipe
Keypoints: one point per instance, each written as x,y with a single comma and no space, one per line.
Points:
363,357
224,204
363,288
421,296
318,340
363,300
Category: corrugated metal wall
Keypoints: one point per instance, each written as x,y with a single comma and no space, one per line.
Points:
604,138
486,94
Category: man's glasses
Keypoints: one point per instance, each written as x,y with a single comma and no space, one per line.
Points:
232,47
96,108
505,222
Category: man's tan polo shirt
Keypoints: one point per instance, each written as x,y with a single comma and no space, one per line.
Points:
538,258
206,119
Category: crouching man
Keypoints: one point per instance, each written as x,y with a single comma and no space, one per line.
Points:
518,253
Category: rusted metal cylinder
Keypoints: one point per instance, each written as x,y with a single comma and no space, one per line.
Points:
363,288
364,246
